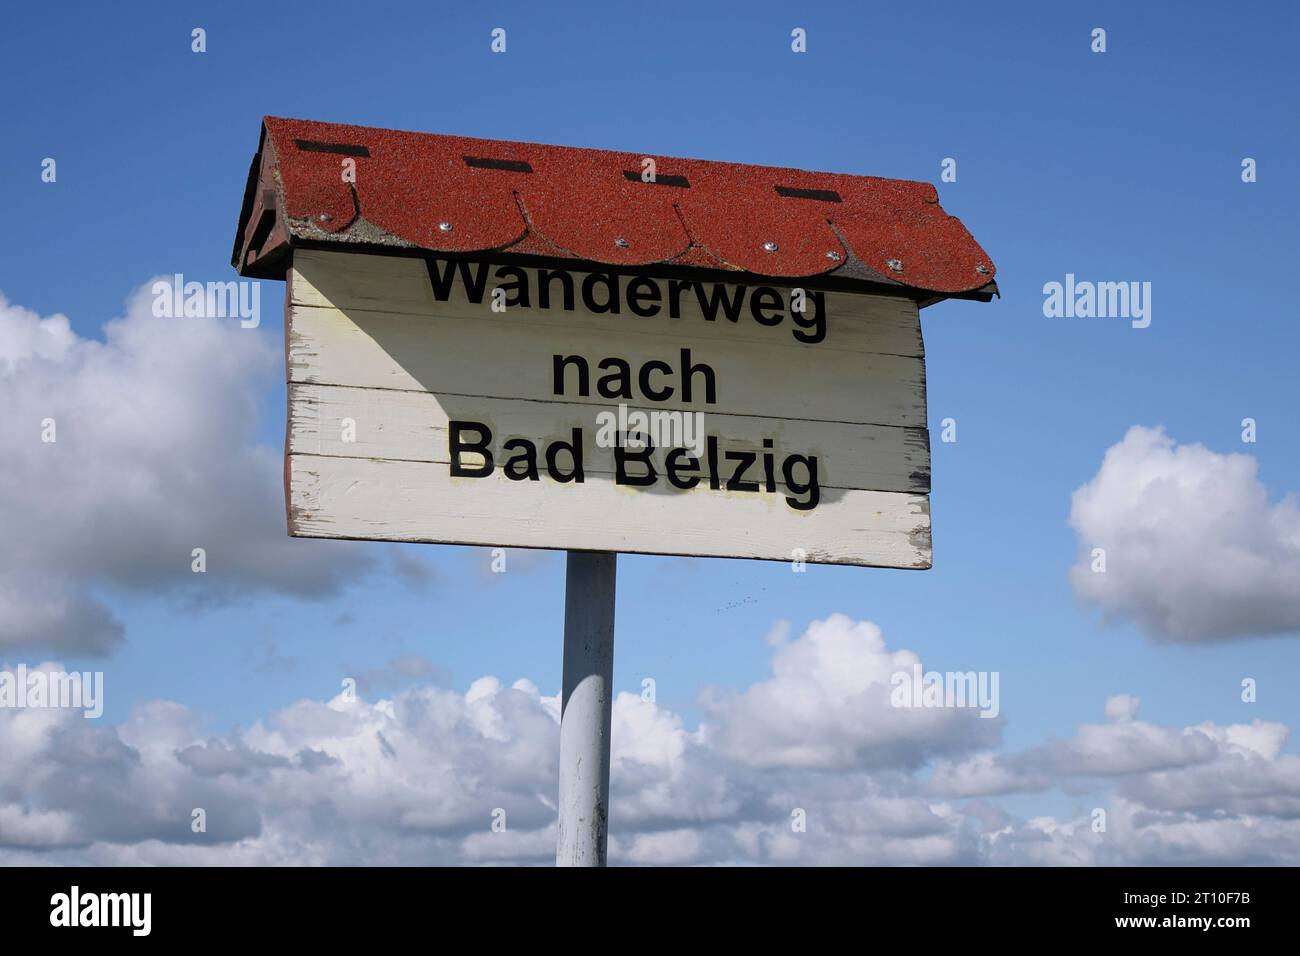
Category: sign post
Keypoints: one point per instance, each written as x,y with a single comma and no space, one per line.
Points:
585,708
514,345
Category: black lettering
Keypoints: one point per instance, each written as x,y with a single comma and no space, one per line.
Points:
574,448
558,363
610,282
527,457
674,470
518,285
743,459
634,296
456,447
800,487
441,279
688,373
621,375
675,289
660,395
812,326
544,277
765,297
623,453
709,306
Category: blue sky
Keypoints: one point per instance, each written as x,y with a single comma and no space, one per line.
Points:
1117,166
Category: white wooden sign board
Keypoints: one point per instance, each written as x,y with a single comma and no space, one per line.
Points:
403,377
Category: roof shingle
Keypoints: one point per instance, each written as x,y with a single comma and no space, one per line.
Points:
455,194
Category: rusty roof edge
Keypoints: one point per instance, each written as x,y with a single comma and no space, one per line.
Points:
250,191
263,195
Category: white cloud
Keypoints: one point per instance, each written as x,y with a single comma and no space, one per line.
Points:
662,848
1164,781
155,455
828,706
1195,551
1111,750
416,778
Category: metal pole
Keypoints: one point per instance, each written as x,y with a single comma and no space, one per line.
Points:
585,706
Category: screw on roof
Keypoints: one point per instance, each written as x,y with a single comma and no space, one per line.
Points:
621,243
444,227
324,217
769,246
833,256
982,269
895,265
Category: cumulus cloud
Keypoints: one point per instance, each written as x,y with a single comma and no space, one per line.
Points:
1136,836
828,705
1139,753
1194,549
1207,794
418,777
154,454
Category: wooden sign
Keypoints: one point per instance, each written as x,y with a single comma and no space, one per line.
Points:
463,402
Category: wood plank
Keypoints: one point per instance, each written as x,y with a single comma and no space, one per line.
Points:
419,501
888,325
412,426
514,360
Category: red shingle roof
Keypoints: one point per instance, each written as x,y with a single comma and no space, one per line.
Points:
458,195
